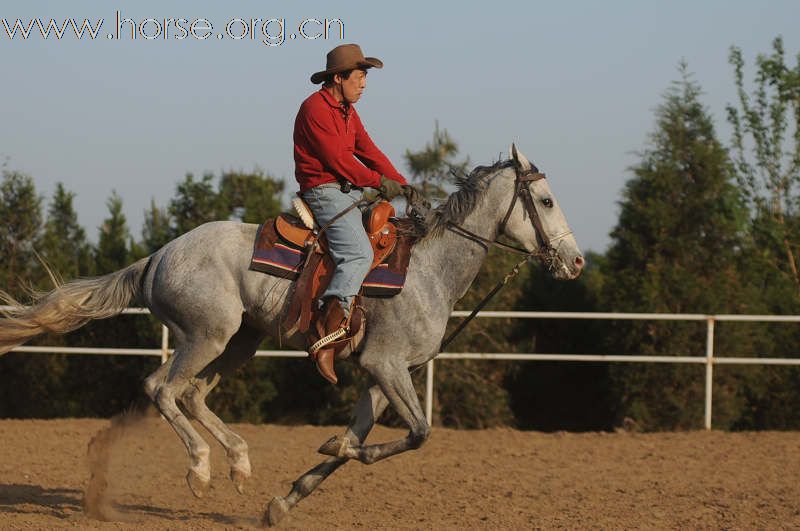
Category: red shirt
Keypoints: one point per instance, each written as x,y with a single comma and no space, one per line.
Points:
330,144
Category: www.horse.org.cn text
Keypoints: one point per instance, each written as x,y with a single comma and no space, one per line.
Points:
268,31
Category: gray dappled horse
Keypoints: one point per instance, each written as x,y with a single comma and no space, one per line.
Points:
218,312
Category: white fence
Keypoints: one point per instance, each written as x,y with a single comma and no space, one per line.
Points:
709,359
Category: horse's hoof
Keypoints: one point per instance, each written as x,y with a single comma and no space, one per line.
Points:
277,510
335,446
239,477
198,485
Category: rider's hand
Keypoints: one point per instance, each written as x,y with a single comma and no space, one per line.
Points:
389,188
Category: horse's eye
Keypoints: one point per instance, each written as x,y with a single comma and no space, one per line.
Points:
547,202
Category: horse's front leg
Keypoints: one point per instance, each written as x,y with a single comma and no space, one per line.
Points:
395,382
366,413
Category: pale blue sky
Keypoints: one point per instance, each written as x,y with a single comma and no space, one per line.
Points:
573,83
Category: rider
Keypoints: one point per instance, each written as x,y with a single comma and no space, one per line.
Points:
334,160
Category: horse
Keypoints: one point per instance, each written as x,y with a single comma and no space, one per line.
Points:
218,311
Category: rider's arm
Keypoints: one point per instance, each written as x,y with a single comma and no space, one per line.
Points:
372,157
318,129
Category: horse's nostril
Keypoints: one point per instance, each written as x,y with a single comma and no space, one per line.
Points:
579,261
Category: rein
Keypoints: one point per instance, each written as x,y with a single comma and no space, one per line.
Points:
485,242
544,250
359,203
464,322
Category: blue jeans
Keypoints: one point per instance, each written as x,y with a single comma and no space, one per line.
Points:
349,244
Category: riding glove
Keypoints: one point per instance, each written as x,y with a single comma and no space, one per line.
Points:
389,188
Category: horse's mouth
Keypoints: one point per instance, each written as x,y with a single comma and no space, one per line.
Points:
561,271
574,274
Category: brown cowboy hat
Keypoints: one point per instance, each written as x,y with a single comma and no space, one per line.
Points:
343,58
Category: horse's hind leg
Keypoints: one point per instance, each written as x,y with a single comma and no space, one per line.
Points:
240,348
369,407
190,357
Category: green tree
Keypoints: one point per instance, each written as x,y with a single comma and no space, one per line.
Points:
67,254
63,244
21,212
112,247
676,248
250,197
766,141
195,203
156,231
25,381
766,148
434,166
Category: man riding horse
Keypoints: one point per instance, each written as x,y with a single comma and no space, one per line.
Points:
219,327
335,159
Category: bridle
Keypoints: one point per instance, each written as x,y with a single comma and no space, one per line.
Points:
523,192
545,250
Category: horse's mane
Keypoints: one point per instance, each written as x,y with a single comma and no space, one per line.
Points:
464,200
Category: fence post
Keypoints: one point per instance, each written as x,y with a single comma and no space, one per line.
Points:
709,368
429,392
164,343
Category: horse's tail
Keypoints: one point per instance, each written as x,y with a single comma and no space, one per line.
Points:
69,306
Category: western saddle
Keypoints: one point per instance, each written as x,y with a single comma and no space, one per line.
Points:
316,273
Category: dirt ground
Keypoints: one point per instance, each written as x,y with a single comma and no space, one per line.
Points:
459,479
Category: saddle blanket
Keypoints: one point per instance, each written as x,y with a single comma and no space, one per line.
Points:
276,256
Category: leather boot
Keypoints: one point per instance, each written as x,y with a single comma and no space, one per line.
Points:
330,326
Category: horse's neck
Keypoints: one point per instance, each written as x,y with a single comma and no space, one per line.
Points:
456,260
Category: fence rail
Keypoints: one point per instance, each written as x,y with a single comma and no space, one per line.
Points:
709,359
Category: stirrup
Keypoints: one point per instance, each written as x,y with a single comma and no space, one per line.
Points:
330,338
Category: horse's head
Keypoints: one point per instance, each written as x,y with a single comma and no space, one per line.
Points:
536,221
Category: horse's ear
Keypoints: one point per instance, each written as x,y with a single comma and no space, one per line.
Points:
520,161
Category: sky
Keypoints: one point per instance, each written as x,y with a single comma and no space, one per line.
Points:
574,84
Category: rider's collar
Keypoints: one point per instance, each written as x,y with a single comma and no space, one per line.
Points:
330,100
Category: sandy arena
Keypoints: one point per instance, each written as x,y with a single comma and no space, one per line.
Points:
460,479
